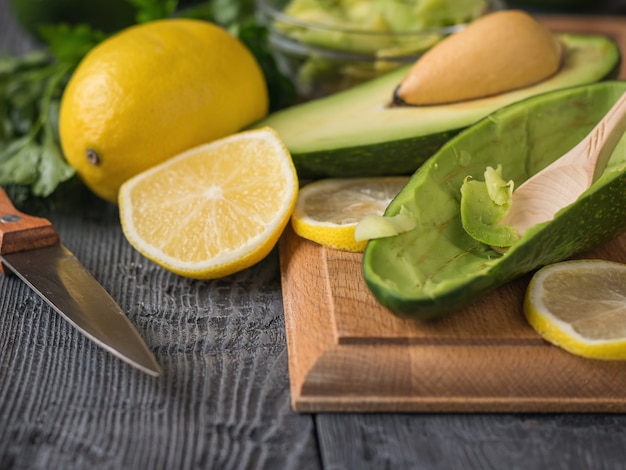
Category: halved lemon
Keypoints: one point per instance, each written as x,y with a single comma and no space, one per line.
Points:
328,211
215,209
580,305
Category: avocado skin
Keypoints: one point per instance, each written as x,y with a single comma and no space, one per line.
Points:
398,157
358,132
598,216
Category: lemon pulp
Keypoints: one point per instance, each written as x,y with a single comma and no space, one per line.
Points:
215,209
580,305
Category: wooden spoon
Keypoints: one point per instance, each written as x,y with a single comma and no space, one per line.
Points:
563,181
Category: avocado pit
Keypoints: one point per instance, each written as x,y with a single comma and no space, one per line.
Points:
498,53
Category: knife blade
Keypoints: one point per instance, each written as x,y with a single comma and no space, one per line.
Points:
30,247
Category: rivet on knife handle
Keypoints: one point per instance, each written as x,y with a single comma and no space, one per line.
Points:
20,232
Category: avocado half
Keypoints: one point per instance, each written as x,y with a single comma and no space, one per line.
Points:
437,267
358,133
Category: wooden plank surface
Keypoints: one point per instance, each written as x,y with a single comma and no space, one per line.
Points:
347,353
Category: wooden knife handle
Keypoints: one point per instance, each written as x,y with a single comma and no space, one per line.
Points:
21,232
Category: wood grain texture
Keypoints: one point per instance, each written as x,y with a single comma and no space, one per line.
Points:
348,353
472,441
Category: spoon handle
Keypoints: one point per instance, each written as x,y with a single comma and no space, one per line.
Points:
602,141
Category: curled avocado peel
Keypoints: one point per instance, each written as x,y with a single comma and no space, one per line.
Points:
484,204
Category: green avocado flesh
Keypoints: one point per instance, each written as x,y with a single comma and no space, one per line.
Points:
381,16
357,133
437,267
483,205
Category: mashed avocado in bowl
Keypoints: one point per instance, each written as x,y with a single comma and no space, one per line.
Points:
326,46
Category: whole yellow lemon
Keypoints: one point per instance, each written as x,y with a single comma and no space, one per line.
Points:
152,91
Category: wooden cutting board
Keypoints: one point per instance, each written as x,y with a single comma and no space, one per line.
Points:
348,353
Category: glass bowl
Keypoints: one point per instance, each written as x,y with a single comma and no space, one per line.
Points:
323,55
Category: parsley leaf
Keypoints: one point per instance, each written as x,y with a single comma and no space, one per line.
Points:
150,10
70,43
30,88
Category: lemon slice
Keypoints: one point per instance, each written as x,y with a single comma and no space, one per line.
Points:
580,306
215,209
328,211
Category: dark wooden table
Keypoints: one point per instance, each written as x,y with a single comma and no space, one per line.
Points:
223,400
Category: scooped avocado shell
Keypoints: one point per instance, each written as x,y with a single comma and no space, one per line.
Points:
358,132
437,267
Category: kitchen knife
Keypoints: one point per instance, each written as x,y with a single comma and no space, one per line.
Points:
30,247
